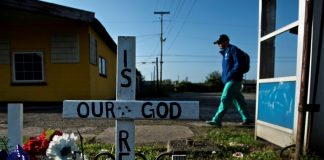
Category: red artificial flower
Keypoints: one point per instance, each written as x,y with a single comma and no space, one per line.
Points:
38,145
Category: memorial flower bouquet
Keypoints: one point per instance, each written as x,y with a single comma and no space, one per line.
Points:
49,145
37,146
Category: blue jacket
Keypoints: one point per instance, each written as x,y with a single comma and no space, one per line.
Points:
231,64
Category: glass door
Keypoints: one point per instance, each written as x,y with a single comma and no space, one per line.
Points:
277,70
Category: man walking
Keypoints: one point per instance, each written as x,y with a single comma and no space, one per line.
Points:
232,77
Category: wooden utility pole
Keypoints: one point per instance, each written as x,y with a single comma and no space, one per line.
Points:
304,79
161,40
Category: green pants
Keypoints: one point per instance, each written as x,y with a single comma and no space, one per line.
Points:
232,95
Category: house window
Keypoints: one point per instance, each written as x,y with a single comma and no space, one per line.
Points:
28,67
102,66
65,49
93,50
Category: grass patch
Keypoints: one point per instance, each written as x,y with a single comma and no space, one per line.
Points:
239,140
225,142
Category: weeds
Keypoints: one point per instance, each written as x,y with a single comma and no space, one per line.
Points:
224,143
4,144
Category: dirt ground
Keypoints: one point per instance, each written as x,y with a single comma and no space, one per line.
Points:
34,123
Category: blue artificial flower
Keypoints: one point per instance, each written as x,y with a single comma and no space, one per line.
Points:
18,154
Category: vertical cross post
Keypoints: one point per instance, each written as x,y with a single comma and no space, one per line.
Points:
126,90
15,123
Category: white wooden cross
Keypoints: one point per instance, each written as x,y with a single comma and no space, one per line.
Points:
15,124
126,109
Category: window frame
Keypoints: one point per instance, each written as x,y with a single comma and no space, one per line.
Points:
102,66
14,78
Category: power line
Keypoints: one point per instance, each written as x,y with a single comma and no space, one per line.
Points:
213,61
175,55
184,22
175,15
208,56
147,35
131,21
195,61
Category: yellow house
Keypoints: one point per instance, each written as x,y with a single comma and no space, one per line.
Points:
49,53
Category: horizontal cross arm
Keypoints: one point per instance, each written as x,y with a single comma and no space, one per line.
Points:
131,109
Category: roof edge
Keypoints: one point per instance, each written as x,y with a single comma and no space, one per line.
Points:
102,32
49,9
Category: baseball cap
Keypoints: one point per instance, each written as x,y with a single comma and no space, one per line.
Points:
222,37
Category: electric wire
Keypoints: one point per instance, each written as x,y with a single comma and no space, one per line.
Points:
182,25
175,15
